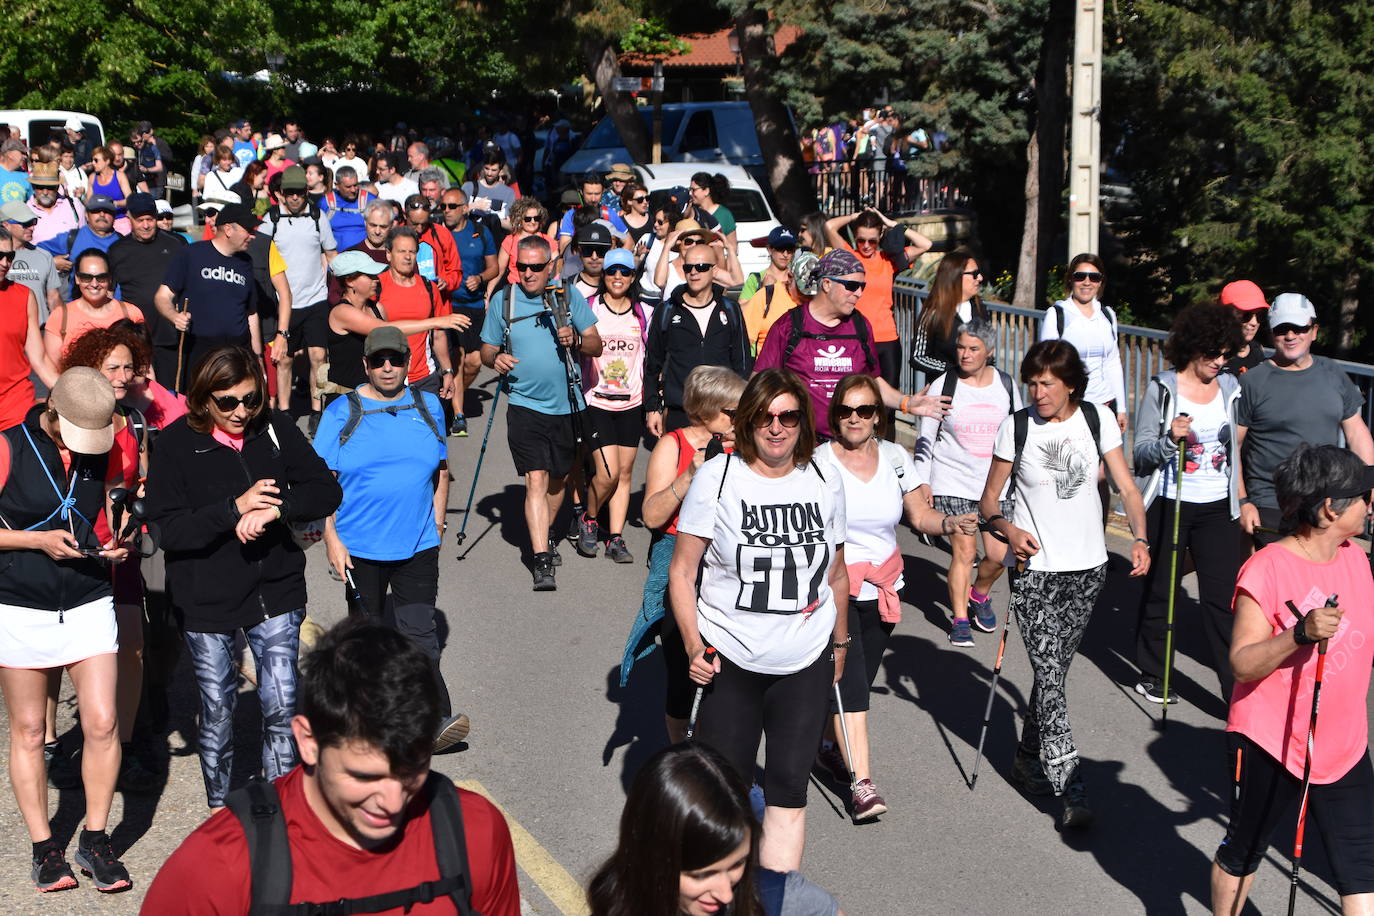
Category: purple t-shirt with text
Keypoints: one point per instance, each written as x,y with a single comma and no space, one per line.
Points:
822,357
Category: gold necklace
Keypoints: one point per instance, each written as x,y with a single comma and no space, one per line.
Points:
1307,552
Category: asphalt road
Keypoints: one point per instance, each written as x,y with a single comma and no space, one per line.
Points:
555,741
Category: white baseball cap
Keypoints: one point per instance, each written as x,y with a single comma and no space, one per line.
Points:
1291,308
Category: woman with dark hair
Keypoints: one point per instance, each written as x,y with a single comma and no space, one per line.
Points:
94,307
1246,300
689,846
953,299
1090,326
763,531
113,183
225,483
708,192
634,210
1282,613
1194,402
1050,451
664,221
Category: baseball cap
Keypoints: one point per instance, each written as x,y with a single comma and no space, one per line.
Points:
144,127
1244,295
164,208
98,202
382,337
354,262
618,257
141,203
273,141
15,211
74,124
292,177
242,123
85,405
1291,308
237,215
782,237
593,235
220,200
44,175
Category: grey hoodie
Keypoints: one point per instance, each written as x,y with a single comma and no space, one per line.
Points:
1153,451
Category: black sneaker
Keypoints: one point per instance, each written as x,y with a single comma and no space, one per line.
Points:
1028,775
588,536
459,427
617,551
96,859
135,777
1077,813
51,871
63,771
553,547
453,730
1153,691
543,573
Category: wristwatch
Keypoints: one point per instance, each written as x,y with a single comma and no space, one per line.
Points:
282,334
445,371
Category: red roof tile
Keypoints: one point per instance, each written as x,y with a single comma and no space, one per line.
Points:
711,49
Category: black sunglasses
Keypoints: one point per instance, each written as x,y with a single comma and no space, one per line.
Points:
531,266
87,278
382,357
1291,328
592,252
1092,276
639,199
729,411
6,255
453,206
619,271
419,205
865,411
697,268
978,273
227,402
790,419
853,286
1213,354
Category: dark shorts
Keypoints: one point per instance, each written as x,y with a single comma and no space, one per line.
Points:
540,442
616,427
309,327
470,339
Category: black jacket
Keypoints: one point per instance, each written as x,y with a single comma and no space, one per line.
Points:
677,346
218,583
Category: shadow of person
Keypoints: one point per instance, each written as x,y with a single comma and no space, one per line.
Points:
505,509
639,725
927,578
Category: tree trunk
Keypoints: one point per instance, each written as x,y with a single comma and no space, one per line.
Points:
1350,306
1051,128
778,139
605,67
1027,266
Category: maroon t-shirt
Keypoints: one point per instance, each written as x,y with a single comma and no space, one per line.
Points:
822,357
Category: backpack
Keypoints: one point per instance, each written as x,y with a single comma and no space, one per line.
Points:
1021,429
258,809
952,381
275,215
796,333
1059,318
331,199
356,414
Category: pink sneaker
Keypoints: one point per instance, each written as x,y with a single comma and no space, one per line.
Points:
867,802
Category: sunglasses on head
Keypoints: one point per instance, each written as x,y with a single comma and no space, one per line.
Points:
853,286
790,419
227,402
1291,329
697,268
1091,276
865,411
619,271
532,266
419,205
382,357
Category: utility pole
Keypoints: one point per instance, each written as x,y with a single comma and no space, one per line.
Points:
1085,133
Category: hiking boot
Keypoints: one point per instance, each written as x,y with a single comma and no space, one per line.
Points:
459,427
831,762
543,573
1153,690
617,551
1077,814
51,871
982,614
867,803
1028,775
452,730
96,859
135,777
961,634
63,771
588,536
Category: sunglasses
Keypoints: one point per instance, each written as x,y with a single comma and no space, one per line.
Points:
1213,354
642,198
1283,329
1247,317
697,268
6,255
532,266
865,411
294,192
162,216
597,253
88,278
453,206
1091,276
977,273
619,271
853,286
790,419
866,242
212,212
227,402
382,357
530,219
729,411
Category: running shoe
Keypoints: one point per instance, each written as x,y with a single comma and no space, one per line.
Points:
1153,690
135,777
831,762
96,859
867,803
1028,775
63,771
982,614
543,573
961,634
553,547
459,426
453,730
617,551
588,536
51,871
1077,813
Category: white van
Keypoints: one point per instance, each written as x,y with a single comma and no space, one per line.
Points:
720,132
754,218
39,125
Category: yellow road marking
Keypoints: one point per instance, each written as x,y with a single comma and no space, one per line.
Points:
553,879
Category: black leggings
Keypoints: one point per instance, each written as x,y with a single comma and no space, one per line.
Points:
740,707
1343,812
870,635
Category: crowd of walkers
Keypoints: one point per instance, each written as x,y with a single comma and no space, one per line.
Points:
156,492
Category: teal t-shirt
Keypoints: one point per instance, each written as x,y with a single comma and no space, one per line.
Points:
539,381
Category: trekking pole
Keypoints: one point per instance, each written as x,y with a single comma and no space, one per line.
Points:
844,733
1307,761
710,658
992,689
181,347
353,592
1173,585
562,318
509,314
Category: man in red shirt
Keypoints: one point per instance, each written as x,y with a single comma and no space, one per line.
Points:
361,810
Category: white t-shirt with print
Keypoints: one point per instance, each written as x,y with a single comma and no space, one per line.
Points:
872,508
1207,458
958,464
765,600
1056,488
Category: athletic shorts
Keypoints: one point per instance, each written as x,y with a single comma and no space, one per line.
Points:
540,442
616,427
309,327
957,505
470,339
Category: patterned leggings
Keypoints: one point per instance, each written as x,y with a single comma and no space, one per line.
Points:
275,644
1052,611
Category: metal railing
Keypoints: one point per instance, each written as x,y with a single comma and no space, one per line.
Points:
911,187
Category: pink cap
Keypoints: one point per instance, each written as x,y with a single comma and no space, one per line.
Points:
1244,295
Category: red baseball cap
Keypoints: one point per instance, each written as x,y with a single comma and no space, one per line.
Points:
1244,295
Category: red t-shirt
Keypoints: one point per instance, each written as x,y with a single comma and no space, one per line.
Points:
408,303
208,875
875,303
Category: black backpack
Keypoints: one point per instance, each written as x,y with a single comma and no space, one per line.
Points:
952,381
1021,429
1059,318
796,332
258,808
356,414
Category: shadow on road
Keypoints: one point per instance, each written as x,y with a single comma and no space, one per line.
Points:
639,726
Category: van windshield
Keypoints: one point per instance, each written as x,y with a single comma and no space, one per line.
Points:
605,136
747,206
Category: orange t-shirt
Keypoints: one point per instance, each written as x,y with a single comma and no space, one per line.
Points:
876,301
16,391
409,303
79,321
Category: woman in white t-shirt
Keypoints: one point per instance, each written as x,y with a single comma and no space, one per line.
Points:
1195,401
879,491
763,531
952,459
1062,553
